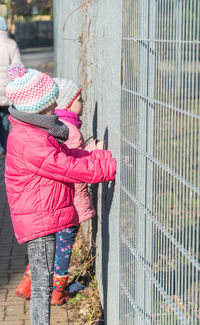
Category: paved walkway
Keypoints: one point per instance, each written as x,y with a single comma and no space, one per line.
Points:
13,258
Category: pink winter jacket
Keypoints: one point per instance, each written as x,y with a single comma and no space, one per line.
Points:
82,199
39,176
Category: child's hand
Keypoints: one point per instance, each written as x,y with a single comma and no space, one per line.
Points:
100,145
127,161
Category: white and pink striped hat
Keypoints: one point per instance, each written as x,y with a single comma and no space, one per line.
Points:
29,90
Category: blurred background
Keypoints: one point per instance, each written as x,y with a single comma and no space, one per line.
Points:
30,23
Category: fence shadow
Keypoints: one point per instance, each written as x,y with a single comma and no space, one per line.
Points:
94,189
106,202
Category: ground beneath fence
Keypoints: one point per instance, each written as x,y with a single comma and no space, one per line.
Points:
85,307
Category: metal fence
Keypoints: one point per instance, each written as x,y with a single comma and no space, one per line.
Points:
160,156
138,63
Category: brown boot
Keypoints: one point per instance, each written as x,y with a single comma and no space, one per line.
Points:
24,288
60,295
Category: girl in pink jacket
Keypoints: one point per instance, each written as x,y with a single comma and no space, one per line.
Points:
40,173
69,109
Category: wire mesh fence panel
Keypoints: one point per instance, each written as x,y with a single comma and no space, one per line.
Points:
160,156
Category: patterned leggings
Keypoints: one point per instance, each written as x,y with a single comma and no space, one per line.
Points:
64,244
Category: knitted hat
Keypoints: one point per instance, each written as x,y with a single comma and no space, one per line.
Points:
68,92
3,24
29,90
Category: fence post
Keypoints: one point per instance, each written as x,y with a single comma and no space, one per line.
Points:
152,25
141,160
144,181
178,33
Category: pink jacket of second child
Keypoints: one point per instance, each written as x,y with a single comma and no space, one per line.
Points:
82,199
39,175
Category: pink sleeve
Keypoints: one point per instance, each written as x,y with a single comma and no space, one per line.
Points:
54,163
75,139
92,146
75,152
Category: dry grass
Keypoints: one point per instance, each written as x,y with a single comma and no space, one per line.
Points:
85,307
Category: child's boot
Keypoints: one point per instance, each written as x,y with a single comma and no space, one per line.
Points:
24,288
60,295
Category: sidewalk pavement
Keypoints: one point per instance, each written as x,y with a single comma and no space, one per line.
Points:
41,59
13,259
37,50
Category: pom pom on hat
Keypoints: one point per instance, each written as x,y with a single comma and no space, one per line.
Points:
3,24
16,70
68,92
30,90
